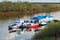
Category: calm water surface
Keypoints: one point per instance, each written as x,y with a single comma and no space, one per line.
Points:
4,35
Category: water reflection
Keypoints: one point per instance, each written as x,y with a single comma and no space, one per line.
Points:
4,30
25,36
5,35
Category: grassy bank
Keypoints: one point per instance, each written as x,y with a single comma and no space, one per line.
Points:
19,9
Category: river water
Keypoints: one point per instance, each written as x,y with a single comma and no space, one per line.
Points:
5,35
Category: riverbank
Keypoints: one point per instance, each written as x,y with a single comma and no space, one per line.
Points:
21,9
8,15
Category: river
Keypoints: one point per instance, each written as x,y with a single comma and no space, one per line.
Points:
5,35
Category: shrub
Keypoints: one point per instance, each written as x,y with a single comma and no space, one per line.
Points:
52,29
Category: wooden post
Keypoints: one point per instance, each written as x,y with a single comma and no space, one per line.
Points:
55,36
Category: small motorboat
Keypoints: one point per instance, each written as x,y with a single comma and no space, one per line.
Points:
13,27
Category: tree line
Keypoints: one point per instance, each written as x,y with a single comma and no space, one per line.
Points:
25,6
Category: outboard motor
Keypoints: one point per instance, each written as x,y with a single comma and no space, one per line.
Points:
9,27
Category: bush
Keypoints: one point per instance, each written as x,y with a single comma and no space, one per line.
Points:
52,29
47,38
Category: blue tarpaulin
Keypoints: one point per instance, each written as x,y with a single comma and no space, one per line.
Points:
49,16
41,17
34,18
38,17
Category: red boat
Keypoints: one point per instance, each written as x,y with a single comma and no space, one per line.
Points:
33,27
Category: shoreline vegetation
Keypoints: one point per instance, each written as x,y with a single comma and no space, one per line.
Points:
19,9
50,32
